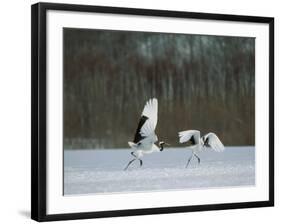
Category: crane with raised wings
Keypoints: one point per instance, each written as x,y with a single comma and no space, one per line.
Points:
145,137
197,143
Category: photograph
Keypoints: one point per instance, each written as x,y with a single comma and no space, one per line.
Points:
152,111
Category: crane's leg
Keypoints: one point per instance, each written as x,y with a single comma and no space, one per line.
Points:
132,153
197,158
189,160
129,164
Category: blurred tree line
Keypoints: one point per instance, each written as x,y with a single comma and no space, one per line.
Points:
201,82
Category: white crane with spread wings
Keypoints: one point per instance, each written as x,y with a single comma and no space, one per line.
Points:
145,137
198,143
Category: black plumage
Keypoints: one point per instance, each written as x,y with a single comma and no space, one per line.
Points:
206,142
138,136
191,141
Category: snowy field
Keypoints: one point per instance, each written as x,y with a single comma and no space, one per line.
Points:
101,171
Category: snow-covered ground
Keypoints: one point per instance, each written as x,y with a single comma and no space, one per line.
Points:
101,171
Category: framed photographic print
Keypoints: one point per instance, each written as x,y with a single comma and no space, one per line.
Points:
140,111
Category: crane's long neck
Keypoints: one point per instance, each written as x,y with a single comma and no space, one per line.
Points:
161,147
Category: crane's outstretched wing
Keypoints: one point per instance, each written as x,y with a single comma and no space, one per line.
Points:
192,136
148,122
138,136
212,140
150,111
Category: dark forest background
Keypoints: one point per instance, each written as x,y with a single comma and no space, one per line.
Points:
201,82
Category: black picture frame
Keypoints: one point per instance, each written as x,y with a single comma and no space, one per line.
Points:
39,122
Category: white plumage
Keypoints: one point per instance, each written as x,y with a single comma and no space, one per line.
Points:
198,143
150,110
214,142
145,136
185,136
